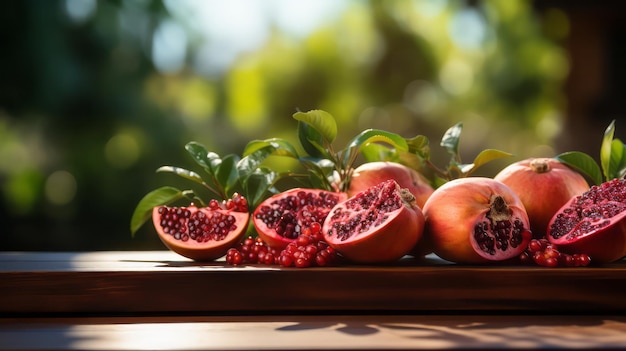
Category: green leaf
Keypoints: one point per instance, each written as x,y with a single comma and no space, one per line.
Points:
281,147
227,174
482,158
376,135
184,173
419,145
450,139
248,164
617,159
582,163
312,141
619,164
606,149
319,170
161,196
373,152
259,184
323,122
258,151
208,160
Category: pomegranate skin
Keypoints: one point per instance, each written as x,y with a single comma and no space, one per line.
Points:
393,238
455,209
544,185
372,173
602,238
205,251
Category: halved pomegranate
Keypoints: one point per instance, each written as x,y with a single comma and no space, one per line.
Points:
380,224
476,220
593,223
280,218
201,234
373,173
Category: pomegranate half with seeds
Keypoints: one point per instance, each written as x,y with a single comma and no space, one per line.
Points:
593,223
476,220
380,224
281,218
544,185
201,234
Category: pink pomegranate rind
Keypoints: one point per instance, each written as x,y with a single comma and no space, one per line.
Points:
218,230
373,173
593,223
476,220
544,185
378,225
280,218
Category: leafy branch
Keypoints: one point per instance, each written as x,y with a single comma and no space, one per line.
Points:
455,167
327,167
221,177
612,159
331,168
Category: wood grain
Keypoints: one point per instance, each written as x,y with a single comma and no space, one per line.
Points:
164,283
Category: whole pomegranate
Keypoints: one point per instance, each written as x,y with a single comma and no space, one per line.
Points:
476,220
544,185
593,223
372,173
201,234
379,224
280,218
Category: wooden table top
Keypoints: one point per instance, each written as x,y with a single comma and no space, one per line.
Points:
317,332
159,300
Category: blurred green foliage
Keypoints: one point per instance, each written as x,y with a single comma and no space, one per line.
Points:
88,113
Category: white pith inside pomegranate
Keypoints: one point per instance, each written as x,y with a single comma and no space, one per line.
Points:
200,234
280,218
372,173
544,185
380,224
476,220
593,223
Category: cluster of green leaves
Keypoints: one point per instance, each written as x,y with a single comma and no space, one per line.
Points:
221,177
612,159
328,167
324,165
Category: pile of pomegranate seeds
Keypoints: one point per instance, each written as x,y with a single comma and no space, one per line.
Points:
252,251
543,253
308,250
237,203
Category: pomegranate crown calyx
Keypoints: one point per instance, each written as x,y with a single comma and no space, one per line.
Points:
407,197
540,165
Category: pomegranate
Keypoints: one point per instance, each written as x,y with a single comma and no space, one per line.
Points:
544,185
201,234
593,223
372,173
280,218
379,224
476,220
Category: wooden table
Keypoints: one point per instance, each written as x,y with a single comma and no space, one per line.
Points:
158,300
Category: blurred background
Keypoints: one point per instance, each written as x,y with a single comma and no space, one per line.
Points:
95,95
